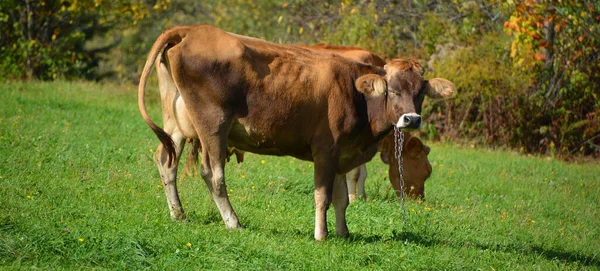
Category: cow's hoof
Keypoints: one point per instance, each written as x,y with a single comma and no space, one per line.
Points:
343,234
232,224
178,216
233,229
320,236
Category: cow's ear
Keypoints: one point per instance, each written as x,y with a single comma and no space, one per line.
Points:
386,149
371,84
439,88
414,147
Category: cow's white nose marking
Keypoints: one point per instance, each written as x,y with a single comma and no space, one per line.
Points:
410,120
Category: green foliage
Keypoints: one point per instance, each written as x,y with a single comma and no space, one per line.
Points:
351,23
79,190
527,71
559,42
435,30
48,39
361,26
494,105
535,92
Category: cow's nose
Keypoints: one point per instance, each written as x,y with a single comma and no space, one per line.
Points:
409,121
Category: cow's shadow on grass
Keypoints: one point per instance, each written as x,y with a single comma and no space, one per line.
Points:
516,248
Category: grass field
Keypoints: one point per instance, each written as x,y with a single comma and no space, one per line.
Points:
79,190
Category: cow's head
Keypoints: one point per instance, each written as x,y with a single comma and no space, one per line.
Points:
404,88
417,167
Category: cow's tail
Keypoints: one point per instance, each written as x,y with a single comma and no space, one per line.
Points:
167,39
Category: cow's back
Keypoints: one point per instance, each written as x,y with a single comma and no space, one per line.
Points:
281,97
351,52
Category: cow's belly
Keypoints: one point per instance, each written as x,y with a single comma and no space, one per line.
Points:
354,157
246,138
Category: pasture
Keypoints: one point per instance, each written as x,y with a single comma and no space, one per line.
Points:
79,190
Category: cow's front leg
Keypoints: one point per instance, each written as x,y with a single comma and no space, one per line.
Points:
321,206
340,203
324,175
168,176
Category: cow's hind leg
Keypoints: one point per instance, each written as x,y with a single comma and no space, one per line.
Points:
352,178
168,176
214,153
360,184
340,204
355,180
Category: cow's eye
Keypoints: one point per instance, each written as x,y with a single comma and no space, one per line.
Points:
394,92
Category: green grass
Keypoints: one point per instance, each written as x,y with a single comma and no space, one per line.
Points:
79,190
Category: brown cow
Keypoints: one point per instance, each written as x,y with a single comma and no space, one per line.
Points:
277,99
414,177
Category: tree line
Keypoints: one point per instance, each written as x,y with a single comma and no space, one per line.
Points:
526,70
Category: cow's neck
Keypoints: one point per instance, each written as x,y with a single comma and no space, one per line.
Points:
376,109
369,141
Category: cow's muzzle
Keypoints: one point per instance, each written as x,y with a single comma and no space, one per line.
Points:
410,121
